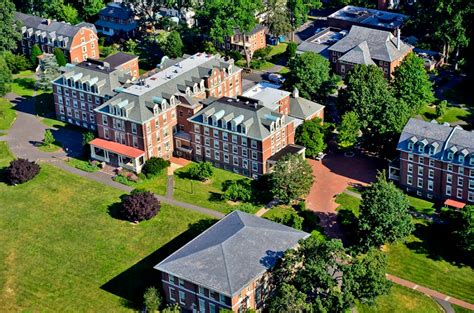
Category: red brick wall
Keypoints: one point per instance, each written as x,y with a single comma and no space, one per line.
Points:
91,43
131,65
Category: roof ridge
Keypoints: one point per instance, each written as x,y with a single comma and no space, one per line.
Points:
225,266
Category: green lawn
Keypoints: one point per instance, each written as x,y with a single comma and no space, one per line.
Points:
423,260
401,300
421,205
453,114
206,194
24,86
278,212
459,309
5,155
7,114
82,165
278,49
155,184
62,250
50,148
348,203
53,123
27,73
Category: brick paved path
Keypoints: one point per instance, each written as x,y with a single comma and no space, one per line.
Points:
430,292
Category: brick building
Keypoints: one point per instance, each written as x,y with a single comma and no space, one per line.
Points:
85,86
116,19
240,135
150,114
227,266
78,42
369,47
436,161
254,40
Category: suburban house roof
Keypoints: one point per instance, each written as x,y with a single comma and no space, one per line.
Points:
231,253
101,74
441,138
250,117
169,83
302,108
50,29
119,58
116,147
116,10
321,41
369,43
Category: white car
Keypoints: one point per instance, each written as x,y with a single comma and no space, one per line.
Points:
276,78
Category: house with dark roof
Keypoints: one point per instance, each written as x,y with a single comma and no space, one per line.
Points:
368,47
227,266
152,113
253,40
436,161
124,61
85,86
78,42
241,135
116,19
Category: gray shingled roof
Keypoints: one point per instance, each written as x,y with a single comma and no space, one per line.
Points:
119,58
232,252
256,116
302,108
443,136
358,55
381,45
54,27
140,104
116,10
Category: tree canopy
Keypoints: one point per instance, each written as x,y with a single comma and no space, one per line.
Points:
348,130
9,27
384,216
311,135
412,84
60,57
5,77
309,72
291,178
276,17
173,45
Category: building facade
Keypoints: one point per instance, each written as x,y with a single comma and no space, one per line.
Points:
144,116
222,268
368,47
78,43
436,161
116,19
85,86
240,134
254,40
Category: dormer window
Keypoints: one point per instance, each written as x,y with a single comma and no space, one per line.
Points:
450,155
201,84
410,145
195,88
421,147
461,158
431,150
471,159
172,100
230,69
188,91
205,119
156,110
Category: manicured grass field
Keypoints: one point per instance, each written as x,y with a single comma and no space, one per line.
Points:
5,155
423,260
453,114
50,148
278,212
156,184
278,49
53,123
24,86
401,300
206,194
348,203
82,165
7,114
421,205
63,251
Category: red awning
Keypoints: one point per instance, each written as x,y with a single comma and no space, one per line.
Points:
454,203
117,148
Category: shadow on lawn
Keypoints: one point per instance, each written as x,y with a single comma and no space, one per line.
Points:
437,243
131,284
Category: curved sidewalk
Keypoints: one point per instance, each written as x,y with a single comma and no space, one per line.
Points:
429,292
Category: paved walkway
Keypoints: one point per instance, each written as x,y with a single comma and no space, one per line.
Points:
169,186
430,292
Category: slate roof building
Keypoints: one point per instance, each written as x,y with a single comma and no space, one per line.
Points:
369,47
78,42
436,161
116,19
226,267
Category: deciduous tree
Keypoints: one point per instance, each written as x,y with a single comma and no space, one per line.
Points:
289,299
311,135
9,26
60,57
20,171
276,17
140,205
201,171
309,72
151,299
173,45
384,216
35,52
48,138
348,130
5,77
299,10
412,84
292,177
154,166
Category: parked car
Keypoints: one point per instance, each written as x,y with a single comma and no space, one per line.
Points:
276,78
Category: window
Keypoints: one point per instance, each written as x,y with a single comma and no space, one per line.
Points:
201,290
206,131
459,193
134,128
225,136
244,152
461,170
234,139
471,159
202,306
431,150
97,100
432,162
449,179
225,147
254,155
182,297
421,160
226,158
430,173
460,181
222,298
448,190
61,109
420,170
172,294
207,141
197,129
245,163
198,150
235,161
450,167
216,144
217,156
410,157
450,155
421,148
212,308
471,183
254,166
461,158
215,133
254,144
409,180
76,114
471,172
208,153
181,282
197,138
419,183
75,104
235,149
410,168
243,141
430,185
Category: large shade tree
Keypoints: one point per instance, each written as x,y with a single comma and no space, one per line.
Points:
9,27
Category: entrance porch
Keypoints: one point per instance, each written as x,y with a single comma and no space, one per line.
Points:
117,155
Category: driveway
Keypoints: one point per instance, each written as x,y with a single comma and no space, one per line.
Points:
332,176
